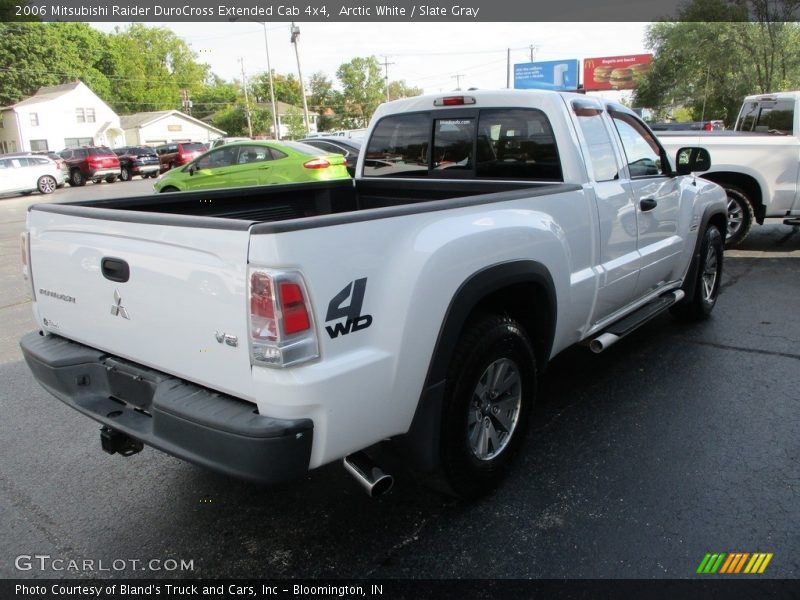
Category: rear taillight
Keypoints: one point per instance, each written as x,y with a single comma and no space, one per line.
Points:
281,321
317,163
25,251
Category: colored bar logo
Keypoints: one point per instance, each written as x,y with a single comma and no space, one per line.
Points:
734,563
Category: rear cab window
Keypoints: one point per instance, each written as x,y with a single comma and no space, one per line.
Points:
515,144
767,116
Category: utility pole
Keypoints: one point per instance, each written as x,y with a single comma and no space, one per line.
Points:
186,102
246,100
386,64
296,34
458,80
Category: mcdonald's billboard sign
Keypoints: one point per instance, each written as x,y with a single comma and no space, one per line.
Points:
615,72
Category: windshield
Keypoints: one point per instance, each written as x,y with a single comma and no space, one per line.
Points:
303,148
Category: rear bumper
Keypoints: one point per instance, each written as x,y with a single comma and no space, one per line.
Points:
101,173
139,169
182,419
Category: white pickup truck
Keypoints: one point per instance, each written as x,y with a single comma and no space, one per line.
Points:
758,163
266,331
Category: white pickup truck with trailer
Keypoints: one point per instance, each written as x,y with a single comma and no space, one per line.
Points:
758,163
408,313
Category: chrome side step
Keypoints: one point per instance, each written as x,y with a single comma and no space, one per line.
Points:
618,330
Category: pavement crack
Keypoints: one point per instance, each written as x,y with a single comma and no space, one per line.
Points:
36,516
748,350
734,279
407,541
20,303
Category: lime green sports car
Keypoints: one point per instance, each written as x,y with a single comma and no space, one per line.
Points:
254,163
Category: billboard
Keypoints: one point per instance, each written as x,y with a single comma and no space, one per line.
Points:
548,75
614,72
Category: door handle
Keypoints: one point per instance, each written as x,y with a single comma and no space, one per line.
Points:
648,204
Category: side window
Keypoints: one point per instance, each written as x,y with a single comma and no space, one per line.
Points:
643,153
452,143
399,147
277,154
517,144
5,164
253,154
598,141
225,156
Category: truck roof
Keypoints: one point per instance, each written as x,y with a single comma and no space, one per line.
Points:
793,95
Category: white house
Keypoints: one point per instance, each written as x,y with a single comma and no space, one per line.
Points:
58,117
284,117
166,126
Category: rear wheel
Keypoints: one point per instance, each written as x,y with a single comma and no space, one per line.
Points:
111,179
740,215
699,305
124,174
169,189
76,178
46,184
491,385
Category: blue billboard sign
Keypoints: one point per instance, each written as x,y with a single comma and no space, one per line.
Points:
548,75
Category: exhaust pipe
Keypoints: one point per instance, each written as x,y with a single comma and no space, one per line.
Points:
374,481
601,342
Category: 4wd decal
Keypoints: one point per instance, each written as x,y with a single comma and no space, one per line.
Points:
355,321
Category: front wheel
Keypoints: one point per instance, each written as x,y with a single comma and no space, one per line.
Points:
124,174
169,189
490,390
708,276
46,184
111,179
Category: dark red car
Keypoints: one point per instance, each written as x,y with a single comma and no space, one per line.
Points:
91,162
178,154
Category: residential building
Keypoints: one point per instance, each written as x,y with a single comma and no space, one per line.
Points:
58,117
166,127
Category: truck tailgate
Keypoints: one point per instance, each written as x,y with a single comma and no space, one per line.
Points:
184,292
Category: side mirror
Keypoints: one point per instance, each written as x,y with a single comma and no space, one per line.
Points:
691,160
192,169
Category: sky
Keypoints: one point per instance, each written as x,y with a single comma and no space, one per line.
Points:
425,55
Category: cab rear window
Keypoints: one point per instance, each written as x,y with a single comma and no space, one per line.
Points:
515,144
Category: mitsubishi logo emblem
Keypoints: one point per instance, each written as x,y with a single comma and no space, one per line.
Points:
117,309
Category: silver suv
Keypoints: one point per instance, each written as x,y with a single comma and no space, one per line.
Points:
25,173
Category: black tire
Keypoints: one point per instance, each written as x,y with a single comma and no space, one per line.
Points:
27,192
76,178
708,274
169,189
111,179
154,175
46,184
473,464
124,174
740,215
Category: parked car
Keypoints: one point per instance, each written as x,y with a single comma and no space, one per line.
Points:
25,173
55,157
91,162
178,154
254,163
714,125
226,140
137,160
349,148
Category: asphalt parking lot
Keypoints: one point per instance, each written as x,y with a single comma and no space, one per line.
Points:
678,441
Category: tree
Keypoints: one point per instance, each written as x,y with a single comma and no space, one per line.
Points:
233,120
287,88
362,91
215,95
33,55
711,59
399,89
295,123
151,65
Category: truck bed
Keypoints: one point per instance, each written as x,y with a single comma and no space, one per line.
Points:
266,204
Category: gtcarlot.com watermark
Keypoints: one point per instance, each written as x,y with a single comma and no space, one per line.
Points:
46,563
